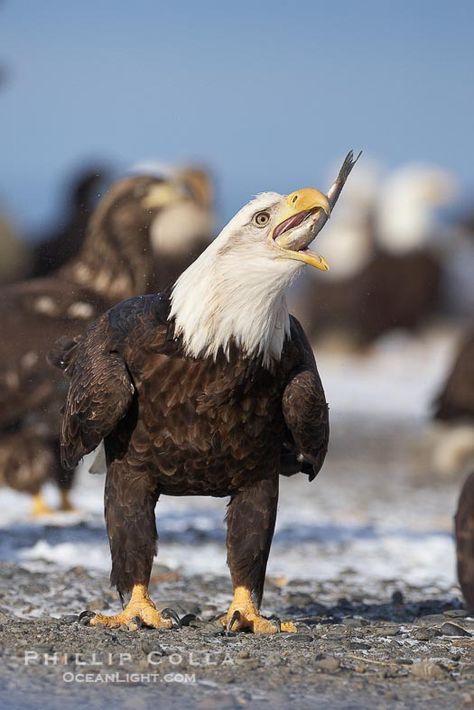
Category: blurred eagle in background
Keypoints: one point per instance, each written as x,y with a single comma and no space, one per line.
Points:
118,259
388,248
452,439
464,528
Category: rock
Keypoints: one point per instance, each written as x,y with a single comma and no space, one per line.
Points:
359,645
328,665
424,634
451,629
430,620
427,669
299,638
354,621
250,663
388,630
455,613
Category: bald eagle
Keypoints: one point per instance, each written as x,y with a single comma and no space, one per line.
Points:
465,541
116,261
205,392
452,450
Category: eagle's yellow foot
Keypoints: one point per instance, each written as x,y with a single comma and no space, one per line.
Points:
40,507
244,616
139,611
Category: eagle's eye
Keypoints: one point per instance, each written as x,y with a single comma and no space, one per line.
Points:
261,219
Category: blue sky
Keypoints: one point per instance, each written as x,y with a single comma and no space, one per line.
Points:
269,94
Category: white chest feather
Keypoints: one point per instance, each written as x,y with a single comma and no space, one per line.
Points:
224,297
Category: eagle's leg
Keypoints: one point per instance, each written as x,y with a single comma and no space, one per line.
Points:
64,479
250,524
39,505
130,499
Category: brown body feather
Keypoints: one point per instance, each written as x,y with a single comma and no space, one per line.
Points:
176,425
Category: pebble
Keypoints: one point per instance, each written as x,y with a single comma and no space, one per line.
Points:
424,634
431,620
354,621
360,645
455,613
328,665
249,663
427,669
387,630
451,629
299,638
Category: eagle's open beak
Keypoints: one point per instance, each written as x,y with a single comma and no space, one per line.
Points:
305,214
294,231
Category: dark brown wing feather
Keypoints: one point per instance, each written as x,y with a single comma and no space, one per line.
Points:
99,395
304,409
465,540
456,400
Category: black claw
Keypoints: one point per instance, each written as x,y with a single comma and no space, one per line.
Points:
137,621
85,617
171,614
277,621
236,616
187,619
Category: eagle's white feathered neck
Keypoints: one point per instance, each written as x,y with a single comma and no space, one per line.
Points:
234,293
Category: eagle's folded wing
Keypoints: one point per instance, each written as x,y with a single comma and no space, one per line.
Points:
305,409
100,393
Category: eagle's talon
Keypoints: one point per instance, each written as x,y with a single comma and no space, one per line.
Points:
135,624
243,615
85,617
236,617
139,612
276,619
169,613
187,619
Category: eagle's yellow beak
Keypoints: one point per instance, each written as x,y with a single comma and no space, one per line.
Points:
162,195
299,206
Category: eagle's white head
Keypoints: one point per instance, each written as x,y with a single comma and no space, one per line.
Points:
235,291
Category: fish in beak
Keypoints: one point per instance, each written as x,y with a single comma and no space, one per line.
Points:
304,215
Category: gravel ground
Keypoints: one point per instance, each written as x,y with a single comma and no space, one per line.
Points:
400,647
372,633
